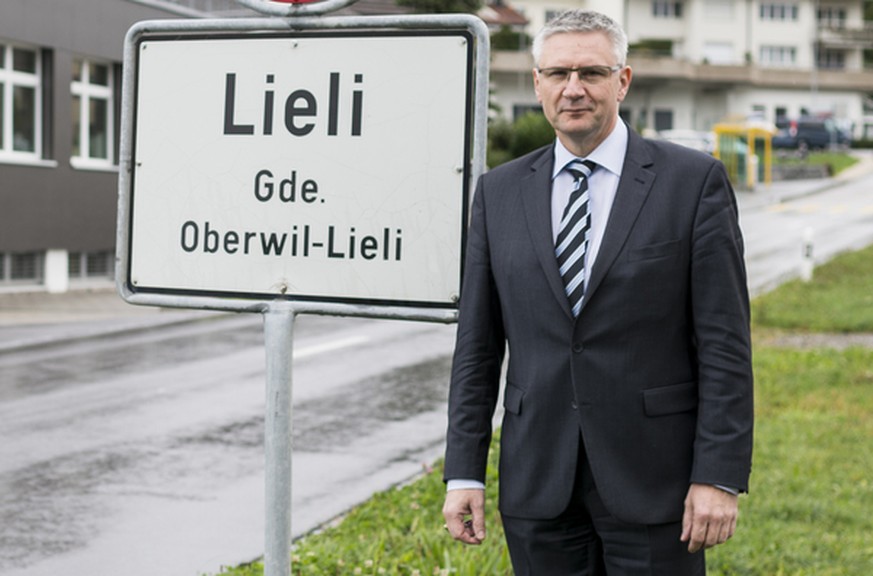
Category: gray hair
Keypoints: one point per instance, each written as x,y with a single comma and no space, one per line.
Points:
583,21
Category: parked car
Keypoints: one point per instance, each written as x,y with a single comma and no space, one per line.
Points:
809,134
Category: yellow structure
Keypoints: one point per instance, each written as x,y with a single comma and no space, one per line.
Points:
746,151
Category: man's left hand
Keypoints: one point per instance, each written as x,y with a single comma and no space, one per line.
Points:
710,517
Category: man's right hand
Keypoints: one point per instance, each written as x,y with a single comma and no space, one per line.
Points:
464,511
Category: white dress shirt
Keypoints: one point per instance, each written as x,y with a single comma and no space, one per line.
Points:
602,185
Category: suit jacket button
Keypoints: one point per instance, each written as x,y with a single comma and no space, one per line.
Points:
573,405
577,348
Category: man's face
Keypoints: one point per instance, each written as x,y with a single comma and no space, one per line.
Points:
582,112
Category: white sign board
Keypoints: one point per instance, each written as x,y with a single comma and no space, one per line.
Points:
325,166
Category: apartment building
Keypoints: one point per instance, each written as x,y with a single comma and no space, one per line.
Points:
699,62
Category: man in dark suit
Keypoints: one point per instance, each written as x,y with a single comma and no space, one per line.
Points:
627,431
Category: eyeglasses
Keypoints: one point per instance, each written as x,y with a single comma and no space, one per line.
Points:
589,75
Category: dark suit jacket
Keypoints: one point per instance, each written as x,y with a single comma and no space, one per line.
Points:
654,376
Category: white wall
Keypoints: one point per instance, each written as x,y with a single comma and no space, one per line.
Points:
56,271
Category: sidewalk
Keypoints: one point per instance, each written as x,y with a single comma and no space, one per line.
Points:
31,319
786,190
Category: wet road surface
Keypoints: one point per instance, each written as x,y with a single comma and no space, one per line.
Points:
143,454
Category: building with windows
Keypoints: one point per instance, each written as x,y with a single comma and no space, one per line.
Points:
60,101
695,62
60,76
698,62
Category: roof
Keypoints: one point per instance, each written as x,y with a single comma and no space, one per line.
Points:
373,8
500,14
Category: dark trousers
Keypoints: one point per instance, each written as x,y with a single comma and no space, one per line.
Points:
585,540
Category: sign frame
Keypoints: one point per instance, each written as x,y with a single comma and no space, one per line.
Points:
474,157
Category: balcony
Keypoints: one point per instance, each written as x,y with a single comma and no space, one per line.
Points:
649,69
654,69
842,37
508,61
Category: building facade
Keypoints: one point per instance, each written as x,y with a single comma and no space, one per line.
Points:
60,78
695,62
699,62
60,106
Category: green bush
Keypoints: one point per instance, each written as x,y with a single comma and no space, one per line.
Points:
835,161
508,39
531,132
508,141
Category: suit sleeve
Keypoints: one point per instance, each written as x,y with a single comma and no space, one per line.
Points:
478,357
720,308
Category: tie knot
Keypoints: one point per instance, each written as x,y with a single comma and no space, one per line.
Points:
580,168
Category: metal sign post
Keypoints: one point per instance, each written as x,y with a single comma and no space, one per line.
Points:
299,164
279,341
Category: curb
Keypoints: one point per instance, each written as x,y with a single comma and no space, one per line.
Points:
110,329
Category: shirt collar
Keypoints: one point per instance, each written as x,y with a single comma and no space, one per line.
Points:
610,154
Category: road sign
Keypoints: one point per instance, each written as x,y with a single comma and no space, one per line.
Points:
299,165
314,165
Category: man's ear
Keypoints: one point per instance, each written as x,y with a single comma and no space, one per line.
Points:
624,77
536,81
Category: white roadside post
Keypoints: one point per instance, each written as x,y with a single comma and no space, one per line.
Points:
807,258
299,164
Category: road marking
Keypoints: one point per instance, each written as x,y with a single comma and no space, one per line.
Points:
778,208
835,210
316,349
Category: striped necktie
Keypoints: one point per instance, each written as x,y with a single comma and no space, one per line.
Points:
572,241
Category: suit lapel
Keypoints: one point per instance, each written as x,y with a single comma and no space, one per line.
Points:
536,195
633,188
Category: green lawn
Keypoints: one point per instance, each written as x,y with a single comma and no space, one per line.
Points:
810,509
838,161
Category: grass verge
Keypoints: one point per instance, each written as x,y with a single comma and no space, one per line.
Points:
838,161
808,512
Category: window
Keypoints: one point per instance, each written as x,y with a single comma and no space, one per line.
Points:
832,59
520,110
92,114
91,265
661,9
663,120
779,11
778,56
552,14
74,265
20,103
21,267
831,17
625,115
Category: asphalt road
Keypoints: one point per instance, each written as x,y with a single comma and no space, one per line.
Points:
838,219
142,453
